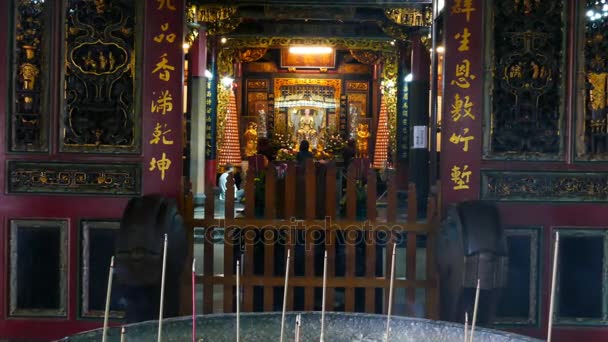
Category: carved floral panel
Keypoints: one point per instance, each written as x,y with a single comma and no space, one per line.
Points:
98,114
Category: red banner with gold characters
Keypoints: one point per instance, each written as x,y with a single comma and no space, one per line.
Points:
162,82
461,132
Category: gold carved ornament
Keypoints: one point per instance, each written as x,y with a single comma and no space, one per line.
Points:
407,16
389,91
218,19
278,42
368,57
247,55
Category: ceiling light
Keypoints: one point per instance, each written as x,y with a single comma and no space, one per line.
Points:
310,50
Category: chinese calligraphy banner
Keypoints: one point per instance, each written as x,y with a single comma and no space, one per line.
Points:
462,101
162,93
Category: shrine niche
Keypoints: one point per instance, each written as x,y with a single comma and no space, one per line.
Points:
306,105
592,127
99,78
527,81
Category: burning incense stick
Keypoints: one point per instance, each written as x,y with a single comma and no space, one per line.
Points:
322,339
553,276
474,312
466,323
122,335
162,291
390,293
298,323
193,300
285,288
238,300
108,296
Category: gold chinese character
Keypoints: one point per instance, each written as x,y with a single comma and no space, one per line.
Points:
462,108
463,75
461,178
463,6
165,3
159,133
170,37
456,139
161,165
464,39
164,103
164,75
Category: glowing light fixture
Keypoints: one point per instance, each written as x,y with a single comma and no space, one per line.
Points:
409,77
227,81
208,74
310,50
440,49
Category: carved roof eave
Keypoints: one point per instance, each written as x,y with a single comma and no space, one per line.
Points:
354,43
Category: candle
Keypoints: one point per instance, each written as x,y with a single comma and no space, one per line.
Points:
466,323
553,276
323,298
106,314
298,323
238,300
193,300
285,294
390,292
162,291
474,312
122,335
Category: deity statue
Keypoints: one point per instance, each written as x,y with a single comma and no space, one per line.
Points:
307,126
362,140
251,139
29,73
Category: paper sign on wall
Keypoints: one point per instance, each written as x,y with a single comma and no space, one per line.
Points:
420,137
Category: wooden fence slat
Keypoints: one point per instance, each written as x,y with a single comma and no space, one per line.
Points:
392,186
349,291
309,269
229,200
371,194
229,266
270,208
330,246
208,270
291,239
311,194
432,294
330,190
410,259
390,244
351,192
248,270
370,269
250,195
269,249
290,190
209,202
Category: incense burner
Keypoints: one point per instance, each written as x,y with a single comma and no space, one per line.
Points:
351,327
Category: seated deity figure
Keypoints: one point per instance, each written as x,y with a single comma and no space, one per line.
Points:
306,127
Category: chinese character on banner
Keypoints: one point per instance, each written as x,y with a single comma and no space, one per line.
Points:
164,104
165,3
463,6
159,134
461,178
463,38
457,139
169,37
462,108
463,75
161,165
164,68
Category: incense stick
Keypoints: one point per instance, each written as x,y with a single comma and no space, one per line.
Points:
553,278
390,293
322,338
106,313
298,323
474,312
193,300
285,288
122,335
162,291
238,300
466,323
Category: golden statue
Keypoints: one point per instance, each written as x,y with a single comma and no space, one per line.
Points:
251,139
362,140
28,73
306,126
